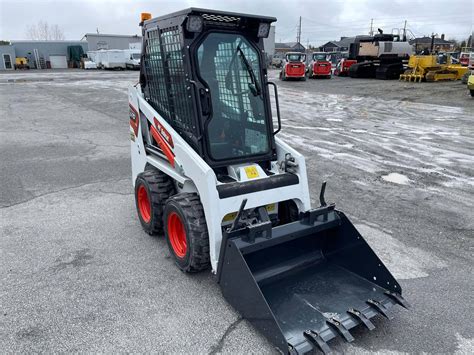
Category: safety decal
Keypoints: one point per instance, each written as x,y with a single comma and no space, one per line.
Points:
134,119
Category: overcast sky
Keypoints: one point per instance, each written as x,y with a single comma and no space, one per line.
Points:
321,20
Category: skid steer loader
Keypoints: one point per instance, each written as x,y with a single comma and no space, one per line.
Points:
211,174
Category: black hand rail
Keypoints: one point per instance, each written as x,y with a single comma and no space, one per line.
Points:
275,90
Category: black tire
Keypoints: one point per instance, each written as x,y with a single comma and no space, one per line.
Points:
186,209
159,188
472,93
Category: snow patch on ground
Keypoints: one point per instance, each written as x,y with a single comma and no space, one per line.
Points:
404,262
396,178
465,345
352,349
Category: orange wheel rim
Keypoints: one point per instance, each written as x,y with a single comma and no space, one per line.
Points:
143,202
177,235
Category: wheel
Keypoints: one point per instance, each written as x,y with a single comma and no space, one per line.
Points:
186,232
472,92
152,189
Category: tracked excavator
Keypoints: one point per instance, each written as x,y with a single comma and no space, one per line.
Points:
212,175
381,56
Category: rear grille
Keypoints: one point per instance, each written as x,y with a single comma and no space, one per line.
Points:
221,20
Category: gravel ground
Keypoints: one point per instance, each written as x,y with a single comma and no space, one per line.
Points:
78,273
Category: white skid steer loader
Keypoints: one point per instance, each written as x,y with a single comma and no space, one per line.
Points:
211,175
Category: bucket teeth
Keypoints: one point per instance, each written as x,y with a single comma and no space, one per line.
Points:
315,339
398,298
379,307
361,317
292,350
341,329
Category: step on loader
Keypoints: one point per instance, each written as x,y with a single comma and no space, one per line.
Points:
212,175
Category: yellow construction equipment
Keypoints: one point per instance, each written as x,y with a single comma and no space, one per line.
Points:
21,63
470,84
427,68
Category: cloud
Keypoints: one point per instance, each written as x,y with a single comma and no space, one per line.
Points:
321,20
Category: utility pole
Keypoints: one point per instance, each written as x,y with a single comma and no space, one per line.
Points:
371,27
405,31
298,34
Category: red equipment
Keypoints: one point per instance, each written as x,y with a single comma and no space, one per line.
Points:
294,67
343,66
464,59
320,66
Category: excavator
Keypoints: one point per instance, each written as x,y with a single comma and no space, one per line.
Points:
228,193
380,56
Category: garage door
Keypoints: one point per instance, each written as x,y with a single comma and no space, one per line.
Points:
58,61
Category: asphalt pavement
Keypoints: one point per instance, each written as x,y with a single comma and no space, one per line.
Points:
78,274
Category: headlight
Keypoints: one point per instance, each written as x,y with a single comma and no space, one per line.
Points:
263,30
194,23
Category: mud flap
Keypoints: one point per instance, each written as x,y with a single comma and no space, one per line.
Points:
306,282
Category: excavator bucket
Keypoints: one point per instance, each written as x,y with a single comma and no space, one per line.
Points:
303,283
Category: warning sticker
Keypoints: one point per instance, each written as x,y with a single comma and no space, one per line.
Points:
251,172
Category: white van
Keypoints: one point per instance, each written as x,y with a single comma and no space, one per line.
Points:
132,59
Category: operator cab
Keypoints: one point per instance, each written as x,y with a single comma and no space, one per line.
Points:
295,57
320,56
206,74
230,67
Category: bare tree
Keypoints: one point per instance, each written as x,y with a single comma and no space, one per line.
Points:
43,31
56,33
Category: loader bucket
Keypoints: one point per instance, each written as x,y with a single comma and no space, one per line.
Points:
306,282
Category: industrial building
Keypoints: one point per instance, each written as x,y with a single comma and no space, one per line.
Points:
269,43
61,54
41,54
97,41
7,52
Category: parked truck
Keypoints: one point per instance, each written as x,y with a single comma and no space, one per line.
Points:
113,59
132,59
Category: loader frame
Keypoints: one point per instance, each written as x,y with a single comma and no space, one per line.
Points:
185,157
272,271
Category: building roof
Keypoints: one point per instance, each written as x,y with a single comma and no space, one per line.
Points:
289,45
109,35
427,40
41,41
343,42
282,45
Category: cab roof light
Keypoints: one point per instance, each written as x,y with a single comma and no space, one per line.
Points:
263,30
194,23
145,16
